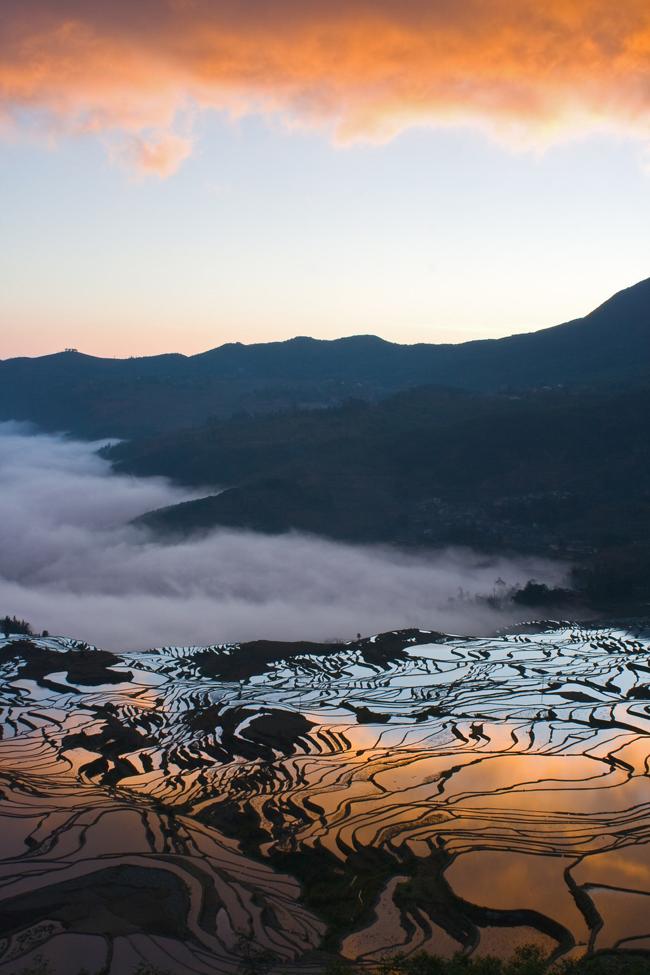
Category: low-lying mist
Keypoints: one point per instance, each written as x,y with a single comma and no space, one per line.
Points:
71,562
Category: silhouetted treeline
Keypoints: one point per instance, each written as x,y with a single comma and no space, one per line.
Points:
528,960
11,624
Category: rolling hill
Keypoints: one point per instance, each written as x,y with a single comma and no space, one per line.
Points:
136,397
559,472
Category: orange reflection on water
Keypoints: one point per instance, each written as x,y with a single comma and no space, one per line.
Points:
508,881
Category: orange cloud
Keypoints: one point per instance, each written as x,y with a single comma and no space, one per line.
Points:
160,153
526,70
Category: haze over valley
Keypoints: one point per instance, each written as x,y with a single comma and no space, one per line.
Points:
74,562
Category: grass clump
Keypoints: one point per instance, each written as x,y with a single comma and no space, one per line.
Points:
528,960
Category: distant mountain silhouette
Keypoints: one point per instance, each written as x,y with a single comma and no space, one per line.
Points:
139,396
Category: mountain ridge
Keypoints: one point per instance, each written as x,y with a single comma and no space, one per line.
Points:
616,301
140,396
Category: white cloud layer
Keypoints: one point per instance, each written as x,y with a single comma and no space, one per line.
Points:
70,562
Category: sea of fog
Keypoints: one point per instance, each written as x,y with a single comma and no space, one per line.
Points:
71,562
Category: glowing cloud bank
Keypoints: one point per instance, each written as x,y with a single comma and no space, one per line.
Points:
137,73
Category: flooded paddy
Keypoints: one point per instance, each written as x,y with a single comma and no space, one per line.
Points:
190,806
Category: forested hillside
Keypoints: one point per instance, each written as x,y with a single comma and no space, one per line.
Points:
558,472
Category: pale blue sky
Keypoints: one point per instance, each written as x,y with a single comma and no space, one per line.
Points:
265,233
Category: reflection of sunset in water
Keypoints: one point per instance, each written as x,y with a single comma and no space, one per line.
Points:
628,867
504,803
507,880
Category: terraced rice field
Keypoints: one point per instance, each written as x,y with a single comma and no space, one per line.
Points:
288,802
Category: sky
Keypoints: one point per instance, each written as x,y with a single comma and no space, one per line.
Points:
176,174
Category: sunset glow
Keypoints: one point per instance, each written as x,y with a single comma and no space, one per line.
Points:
246,172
